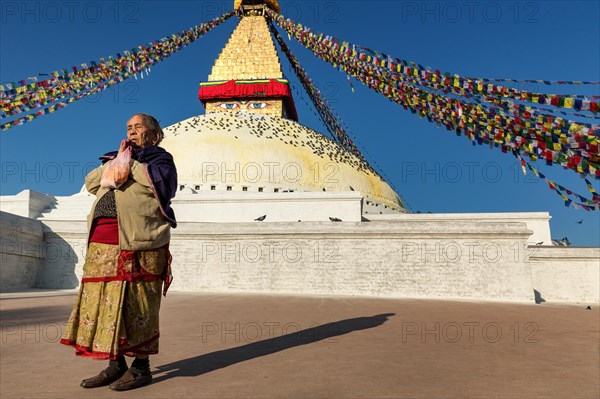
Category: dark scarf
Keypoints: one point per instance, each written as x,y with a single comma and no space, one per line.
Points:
162,173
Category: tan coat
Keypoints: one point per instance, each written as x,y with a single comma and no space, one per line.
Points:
141,223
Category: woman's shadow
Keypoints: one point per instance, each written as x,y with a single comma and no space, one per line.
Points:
206,363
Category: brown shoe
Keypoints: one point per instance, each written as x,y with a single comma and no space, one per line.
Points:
133,378
105,377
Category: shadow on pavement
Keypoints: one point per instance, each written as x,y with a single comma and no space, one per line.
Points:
40,315
206,363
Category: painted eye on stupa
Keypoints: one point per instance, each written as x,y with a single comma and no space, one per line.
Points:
258,105
230,105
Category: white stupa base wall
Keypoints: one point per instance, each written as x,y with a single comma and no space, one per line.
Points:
537,222
384,259
446,256
566,274
21,251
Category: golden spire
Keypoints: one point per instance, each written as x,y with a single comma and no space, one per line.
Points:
272,4
249,54
247,75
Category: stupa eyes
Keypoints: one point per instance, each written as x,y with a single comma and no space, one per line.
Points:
258,105
252,105
230,105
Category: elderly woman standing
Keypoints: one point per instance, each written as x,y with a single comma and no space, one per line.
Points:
127,259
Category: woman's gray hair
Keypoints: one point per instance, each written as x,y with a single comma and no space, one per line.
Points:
153,125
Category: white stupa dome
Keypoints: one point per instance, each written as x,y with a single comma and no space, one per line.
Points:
261,153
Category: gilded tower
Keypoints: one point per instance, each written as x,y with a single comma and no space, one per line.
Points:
247,74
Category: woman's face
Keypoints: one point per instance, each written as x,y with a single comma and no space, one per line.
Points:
137,133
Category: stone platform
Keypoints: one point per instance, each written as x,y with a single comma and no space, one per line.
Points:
272,346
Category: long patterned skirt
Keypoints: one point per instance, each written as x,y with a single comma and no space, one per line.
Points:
116,312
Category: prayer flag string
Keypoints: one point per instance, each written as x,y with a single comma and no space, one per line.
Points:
485,113
563,192
67,86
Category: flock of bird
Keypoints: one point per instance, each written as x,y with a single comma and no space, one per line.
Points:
271,128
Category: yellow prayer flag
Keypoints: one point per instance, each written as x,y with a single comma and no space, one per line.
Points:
568,103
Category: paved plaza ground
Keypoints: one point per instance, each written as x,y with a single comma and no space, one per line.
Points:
273,346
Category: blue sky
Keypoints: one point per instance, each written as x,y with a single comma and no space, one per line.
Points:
431,168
